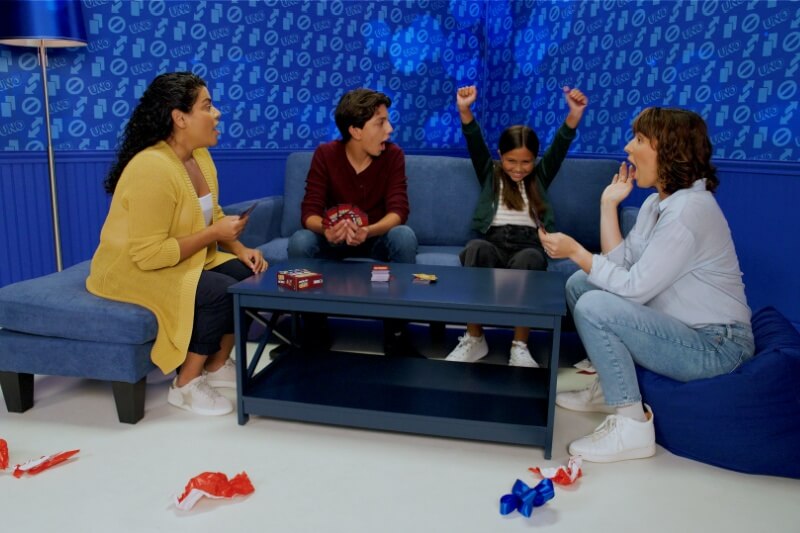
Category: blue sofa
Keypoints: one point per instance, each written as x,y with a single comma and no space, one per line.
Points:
442,193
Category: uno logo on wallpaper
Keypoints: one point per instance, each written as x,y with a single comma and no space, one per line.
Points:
31,106
10,128
787,90
120,108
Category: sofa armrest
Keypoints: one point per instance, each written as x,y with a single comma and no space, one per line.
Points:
265,220
627,219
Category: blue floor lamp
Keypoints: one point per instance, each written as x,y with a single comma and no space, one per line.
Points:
44,24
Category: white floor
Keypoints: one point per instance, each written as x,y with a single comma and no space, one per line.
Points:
332,479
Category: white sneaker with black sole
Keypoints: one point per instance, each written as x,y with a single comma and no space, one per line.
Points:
199,397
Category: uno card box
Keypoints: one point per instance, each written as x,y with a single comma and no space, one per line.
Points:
299,279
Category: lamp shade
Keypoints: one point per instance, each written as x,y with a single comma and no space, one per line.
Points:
51,23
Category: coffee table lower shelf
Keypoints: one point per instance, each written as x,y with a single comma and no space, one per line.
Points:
473,401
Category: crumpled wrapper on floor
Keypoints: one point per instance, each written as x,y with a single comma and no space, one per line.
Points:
35,466
213,485
562,475
3,454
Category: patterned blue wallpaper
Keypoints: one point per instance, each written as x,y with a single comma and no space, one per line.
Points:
277,67
733,61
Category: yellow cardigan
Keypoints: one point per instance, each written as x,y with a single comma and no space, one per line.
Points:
138,258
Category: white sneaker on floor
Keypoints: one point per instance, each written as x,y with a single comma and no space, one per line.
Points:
521,356
589,400
199,397
224,376
618,438
469,349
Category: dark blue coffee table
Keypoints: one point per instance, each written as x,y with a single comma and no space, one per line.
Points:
474,401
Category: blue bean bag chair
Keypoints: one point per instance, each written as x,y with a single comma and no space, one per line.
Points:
748,420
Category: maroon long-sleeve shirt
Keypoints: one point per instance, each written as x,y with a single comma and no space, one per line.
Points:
380,189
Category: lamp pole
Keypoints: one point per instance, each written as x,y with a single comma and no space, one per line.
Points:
45,24
51,163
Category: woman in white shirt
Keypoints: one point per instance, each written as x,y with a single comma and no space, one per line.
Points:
668,297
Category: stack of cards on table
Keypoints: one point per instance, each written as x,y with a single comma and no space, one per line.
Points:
299,279
342,212
380,273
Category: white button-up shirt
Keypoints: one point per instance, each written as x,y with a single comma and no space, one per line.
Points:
679,258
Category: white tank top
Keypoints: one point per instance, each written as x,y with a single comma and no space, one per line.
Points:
207,206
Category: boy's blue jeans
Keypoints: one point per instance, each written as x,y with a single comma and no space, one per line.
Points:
618,333
398,245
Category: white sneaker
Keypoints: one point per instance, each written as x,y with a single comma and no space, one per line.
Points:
224,376
618,438
521,356
199,397
589,400
469,349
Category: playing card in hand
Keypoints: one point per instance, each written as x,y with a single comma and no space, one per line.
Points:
344,211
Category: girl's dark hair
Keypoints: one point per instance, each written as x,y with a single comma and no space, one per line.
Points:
151,120
356,107
683,149
512,138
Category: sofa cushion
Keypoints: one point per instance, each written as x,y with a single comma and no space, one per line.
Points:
442,193
439,255
276,249
58,305
575,198
294,189
53,356
747,420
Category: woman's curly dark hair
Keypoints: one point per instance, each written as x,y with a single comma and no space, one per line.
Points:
512,138
683,149
151,120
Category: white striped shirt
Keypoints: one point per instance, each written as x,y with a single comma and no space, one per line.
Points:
505,216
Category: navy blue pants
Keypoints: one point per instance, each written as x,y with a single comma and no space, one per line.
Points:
213,306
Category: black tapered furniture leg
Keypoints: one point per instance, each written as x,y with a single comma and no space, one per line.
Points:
17,391
129,398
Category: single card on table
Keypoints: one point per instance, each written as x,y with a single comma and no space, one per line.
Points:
380,273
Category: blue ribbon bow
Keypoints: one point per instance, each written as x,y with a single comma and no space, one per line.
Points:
524,499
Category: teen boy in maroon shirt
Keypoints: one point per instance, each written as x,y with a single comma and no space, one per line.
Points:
366,170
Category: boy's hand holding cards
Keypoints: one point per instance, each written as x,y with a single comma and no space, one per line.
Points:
344,212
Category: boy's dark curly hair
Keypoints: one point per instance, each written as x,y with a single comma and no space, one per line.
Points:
151,120
683,149
356,107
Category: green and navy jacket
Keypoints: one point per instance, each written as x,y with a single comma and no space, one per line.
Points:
544,172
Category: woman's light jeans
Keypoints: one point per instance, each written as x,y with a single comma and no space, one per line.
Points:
618,333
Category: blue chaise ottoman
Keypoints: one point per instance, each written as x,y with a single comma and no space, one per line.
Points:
52,325
748,420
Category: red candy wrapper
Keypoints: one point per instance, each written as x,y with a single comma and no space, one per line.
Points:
213,485
3,454
561,475
34,466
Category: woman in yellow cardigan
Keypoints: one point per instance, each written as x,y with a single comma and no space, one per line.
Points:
158,246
